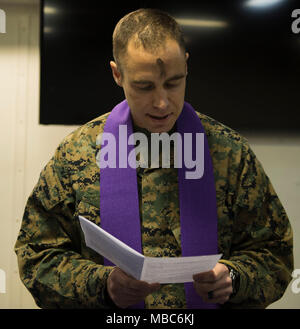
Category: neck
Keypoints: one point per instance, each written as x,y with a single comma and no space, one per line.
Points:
141,156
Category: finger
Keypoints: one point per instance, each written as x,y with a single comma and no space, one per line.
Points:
215,274
205,287
124,296
126,301
136,296
219,293
117,284
154,287
216,300
209,276
119,291
129,295
121,284
144,290
142,286
219,296
123,280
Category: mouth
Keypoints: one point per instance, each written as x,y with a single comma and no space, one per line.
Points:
159,118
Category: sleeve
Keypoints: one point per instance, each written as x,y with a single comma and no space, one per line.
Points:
48,247
262,243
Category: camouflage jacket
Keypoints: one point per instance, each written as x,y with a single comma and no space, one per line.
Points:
254,233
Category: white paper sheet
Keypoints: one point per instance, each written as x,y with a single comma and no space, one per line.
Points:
150,269
176,269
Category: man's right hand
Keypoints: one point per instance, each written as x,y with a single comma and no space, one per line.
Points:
125,291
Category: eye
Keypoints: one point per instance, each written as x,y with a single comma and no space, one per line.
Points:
146,88
171,85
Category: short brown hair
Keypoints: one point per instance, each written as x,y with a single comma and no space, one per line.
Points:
150,27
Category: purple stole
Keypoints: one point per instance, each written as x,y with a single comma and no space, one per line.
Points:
119,200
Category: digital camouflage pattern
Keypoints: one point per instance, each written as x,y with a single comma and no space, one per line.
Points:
254,234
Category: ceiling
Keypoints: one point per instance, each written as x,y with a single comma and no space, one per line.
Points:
19,2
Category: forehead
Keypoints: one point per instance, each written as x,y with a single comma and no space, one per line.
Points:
168,59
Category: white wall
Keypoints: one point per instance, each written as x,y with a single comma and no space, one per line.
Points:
26,146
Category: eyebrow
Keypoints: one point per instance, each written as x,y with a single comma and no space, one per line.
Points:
145,82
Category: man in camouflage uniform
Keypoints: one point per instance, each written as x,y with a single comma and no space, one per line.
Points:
254,234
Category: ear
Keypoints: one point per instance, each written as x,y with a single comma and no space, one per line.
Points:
116,73
187,55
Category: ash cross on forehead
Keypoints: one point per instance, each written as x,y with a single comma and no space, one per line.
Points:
161,65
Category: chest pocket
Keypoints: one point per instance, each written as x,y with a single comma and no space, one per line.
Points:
89,209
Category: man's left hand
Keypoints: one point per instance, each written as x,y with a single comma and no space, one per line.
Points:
214,286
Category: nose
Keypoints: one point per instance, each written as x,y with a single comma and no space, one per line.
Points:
160,100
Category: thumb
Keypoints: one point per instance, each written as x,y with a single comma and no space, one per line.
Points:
154,286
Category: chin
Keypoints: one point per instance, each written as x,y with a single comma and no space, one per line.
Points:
160,129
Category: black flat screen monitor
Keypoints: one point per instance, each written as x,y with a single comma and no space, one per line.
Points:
243,68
